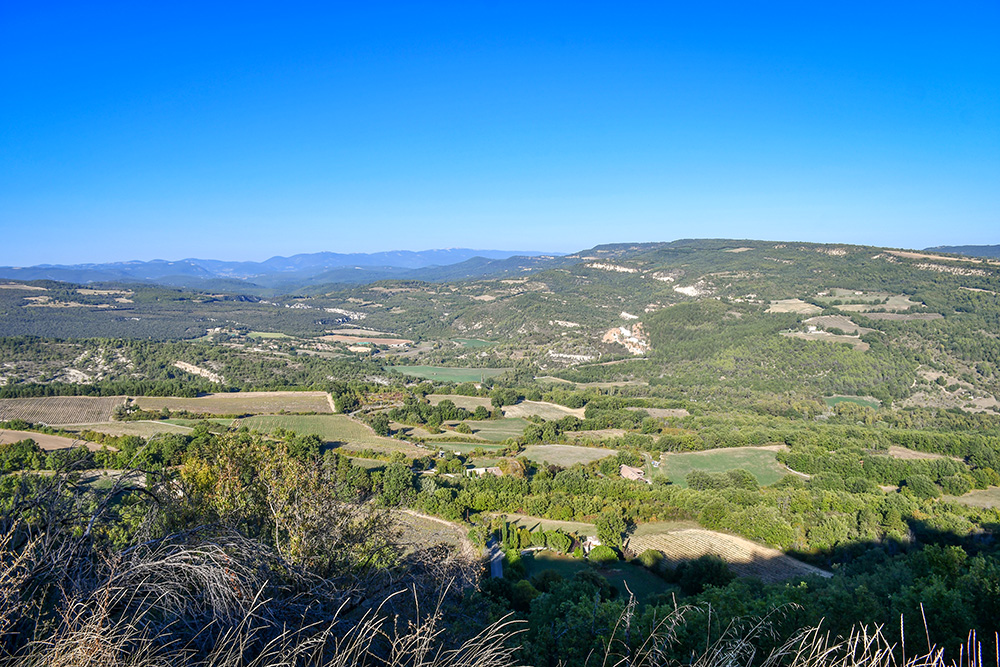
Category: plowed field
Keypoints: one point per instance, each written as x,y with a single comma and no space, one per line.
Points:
56,410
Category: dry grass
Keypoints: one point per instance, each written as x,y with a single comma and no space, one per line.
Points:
549,411
239,403
745,558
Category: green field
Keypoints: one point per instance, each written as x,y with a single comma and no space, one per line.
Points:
336,429
267,334
834,400
536,523
760,462
623,576
446,374
472,342
498,430
464,448
565,455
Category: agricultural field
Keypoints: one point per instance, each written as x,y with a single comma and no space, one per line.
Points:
535,523
758,460
336,429
464,448
594,436
837,322
58,410
448,374
498,430
745,558
467,402
566,455
832,401
47,442
827,337
266,335
472,342
793,306
374,340
904,317
870,301
243,403
549,411
143,429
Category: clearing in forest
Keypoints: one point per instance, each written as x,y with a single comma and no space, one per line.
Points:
565,455
467,402
745,558
548,411
985,498
758,460
837,322
243,403
868,402
472,342
57,410
828,337
910,455
448,374
793,306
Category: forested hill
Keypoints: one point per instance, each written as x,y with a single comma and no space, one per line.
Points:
970,250
277,272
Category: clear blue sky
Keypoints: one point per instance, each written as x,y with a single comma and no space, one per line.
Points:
171,130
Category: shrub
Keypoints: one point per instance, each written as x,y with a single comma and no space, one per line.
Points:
956,485
603,554
650,558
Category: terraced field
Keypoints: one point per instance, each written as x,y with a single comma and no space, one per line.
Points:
242,403
58,410
745,558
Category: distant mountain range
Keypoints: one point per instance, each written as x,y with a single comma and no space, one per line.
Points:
970,250
289,272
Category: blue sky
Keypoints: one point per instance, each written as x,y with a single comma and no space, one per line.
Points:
244,131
